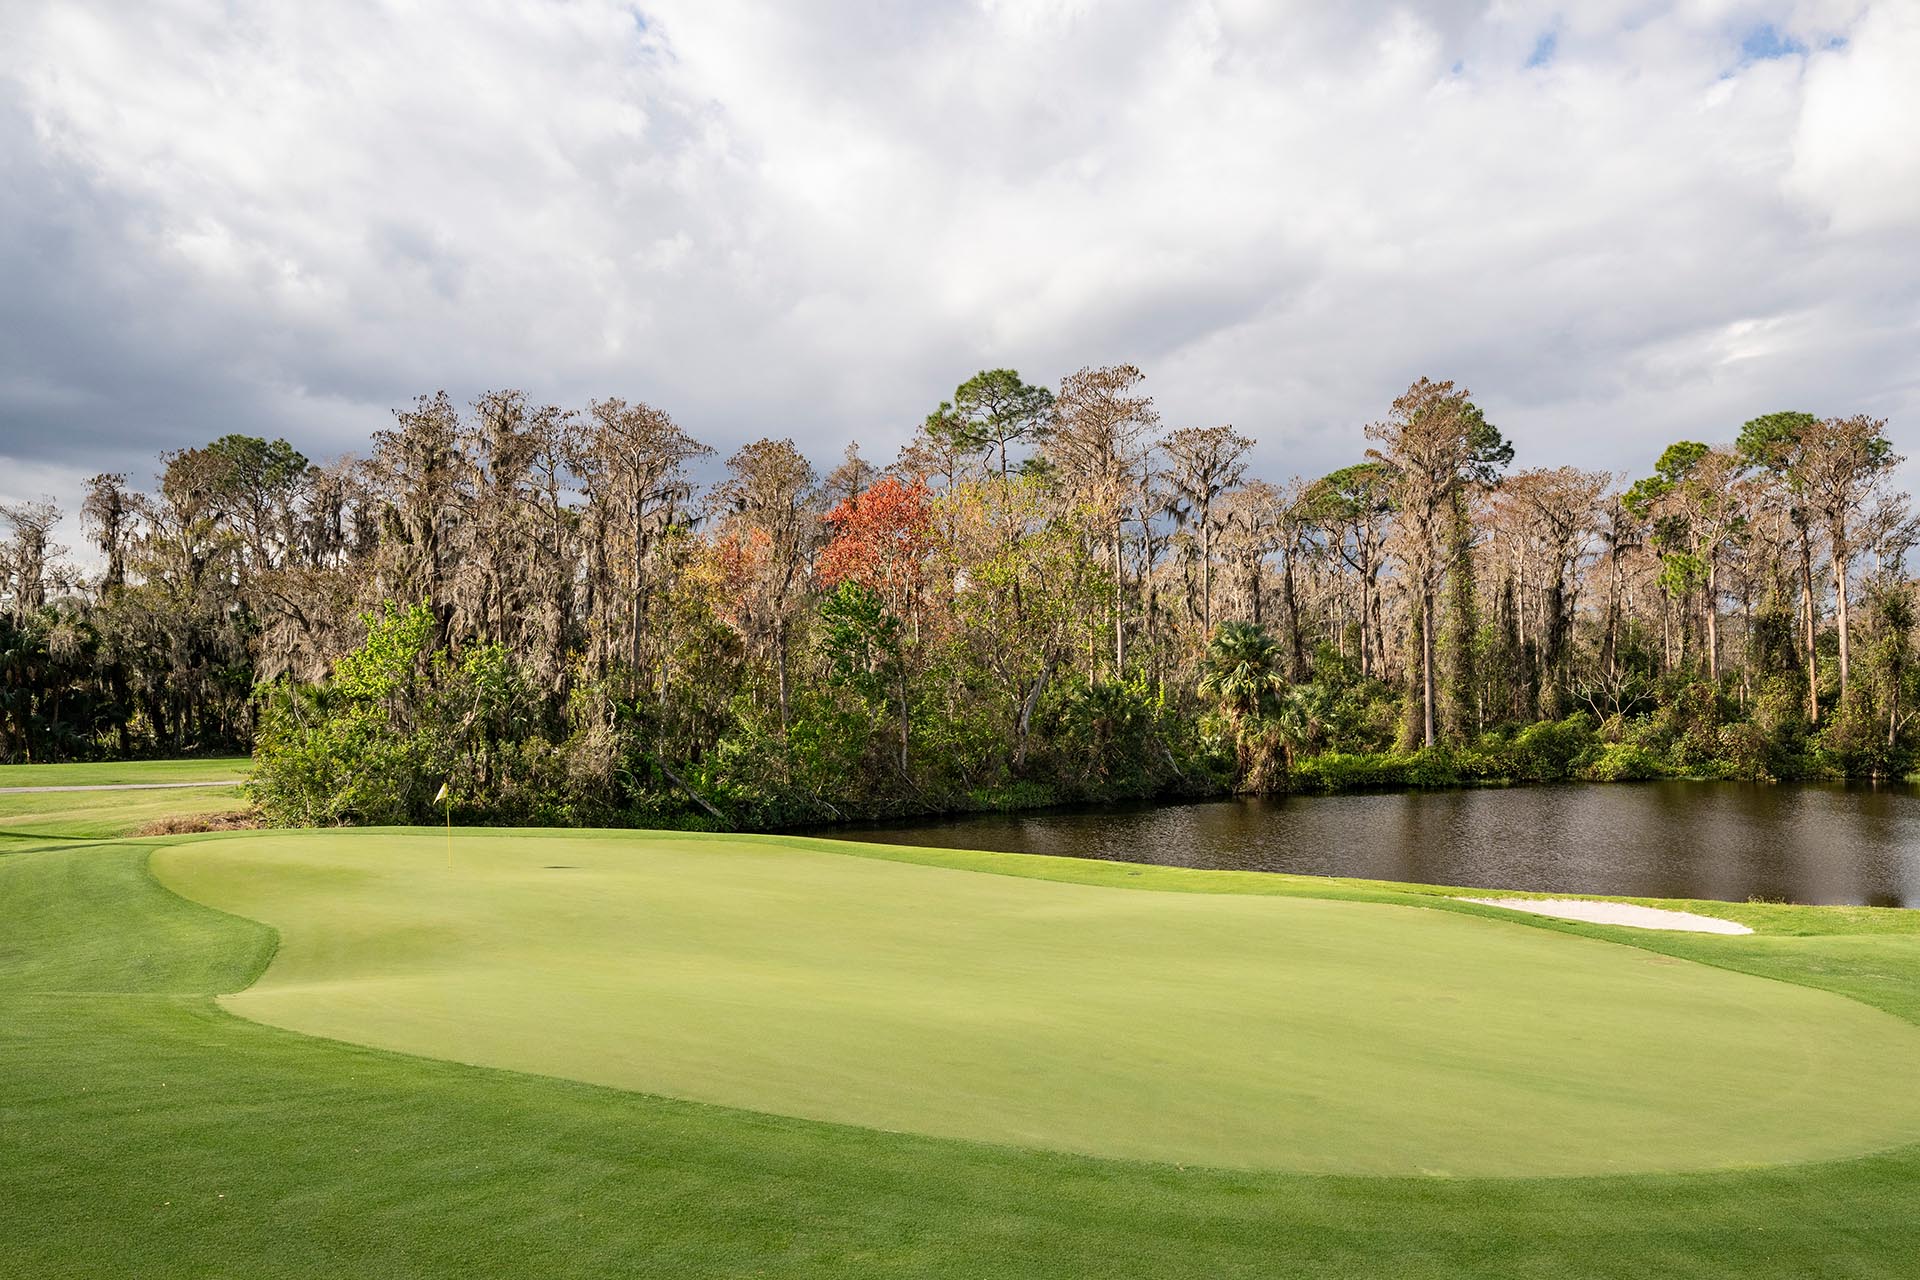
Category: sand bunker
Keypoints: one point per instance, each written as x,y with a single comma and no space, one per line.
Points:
1624,913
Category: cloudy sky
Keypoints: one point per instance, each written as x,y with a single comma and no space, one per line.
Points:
1620,222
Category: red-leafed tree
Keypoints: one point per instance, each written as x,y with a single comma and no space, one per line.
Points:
880,539
873,566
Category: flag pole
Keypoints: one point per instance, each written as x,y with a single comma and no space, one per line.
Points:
447,796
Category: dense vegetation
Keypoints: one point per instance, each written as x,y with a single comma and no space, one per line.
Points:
1043,598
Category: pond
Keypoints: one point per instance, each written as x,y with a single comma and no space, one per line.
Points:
1722,840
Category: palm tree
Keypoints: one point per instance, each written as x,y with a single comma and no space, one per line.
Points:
1242,675
1302,717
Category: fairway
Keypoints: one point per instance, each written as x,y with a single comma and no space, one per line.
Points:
1279,1033
27,815
116,772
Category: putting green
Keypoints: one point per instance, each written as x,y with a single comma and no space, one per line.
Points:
1228,1030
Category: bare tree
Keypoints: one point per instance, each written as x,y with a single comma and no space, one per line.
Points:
419,473
770,520
1206,463
1094,444
1250,531
29,552
851,477
1354,508
108,513
1840,464
1434,442
1548,519
631,463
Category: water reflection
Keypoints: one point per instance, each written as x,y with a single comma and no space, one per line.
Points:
1725,840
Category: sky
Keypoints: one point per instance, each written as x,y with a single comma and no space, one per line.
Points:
1618,223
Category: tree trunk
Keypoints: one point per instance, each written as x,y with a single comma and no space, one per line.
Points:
1610,642
1296,666
780,670
1366,618
1426,662
698,799
1713,619
1840,558
1746,647
636,609
1023,723
1382,666
117,685
1813,652
1552,657
1206,572
1893,710
903,725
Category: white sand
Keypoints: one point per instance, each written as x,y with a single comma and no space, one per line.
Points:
1624,913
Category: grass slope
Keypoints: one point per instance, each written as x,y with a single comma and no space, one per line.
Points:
105,772
92,814
145,1132
1233,1030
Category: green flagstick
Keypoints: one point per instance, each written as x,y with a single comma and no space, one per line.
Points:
437,799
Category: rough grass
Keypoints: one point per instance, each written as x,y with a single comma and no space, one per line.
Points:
181,824
93,814
145,1132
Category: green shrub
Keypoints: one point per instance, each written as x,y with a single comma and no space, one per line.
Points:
1619,762
397,721
1344,771
1853,743
1746,752
1440,766
1013,796
352,751
1545,752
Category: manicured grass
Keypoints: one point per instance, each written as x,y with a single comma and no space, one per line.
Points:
1232,1030
145,1132
95,773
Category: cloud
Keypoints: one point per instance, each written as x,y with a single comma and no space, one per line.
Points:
1855,158
814,220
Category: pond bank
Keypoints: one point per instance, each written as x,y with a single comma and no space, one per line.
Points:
1809,843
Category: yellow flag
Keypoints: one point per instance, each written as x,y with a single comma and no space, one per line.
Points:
437,799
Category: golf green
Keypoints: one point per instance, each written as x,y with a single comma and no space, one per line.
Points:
1279,1033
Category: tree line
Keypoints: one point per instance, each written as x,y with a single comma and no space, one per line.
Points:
1046,596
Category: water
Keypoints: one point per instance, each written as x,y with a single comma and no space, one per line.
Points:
1723,840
